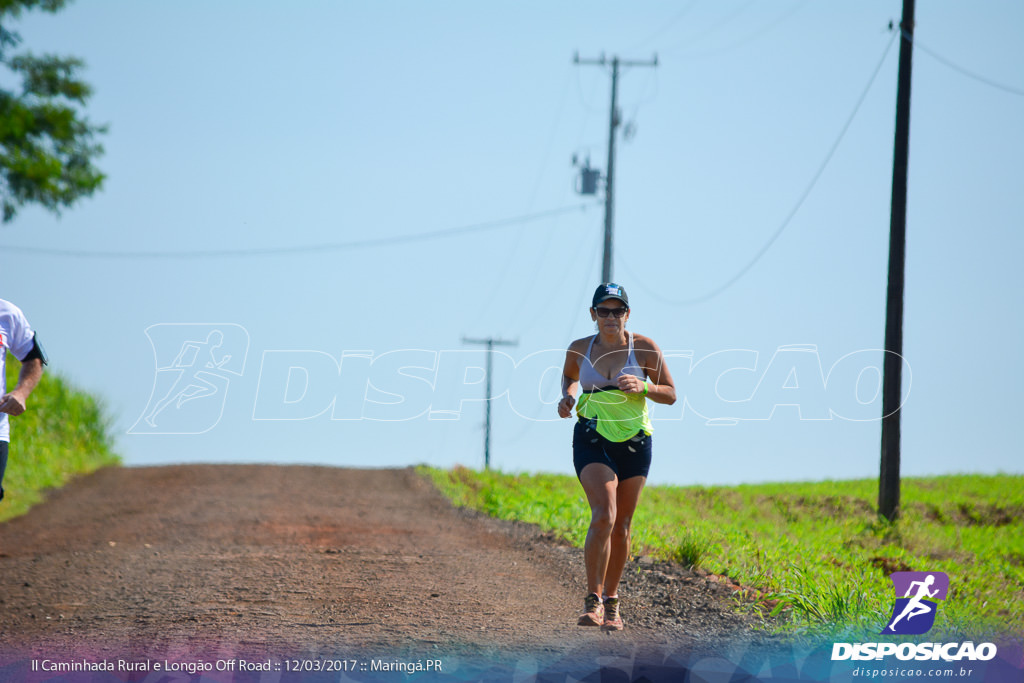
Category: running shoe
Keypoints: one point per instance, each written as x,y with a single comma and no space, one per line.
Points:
612,620
593,614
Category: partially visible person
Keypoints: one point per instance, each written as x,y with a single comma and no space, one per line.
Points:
16,336
617,372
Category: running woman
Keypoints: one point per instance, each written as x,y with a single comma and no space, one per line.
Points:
617,371
915,607
17,337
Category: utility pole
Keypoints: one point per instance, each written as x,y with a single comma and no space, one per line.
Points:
490,343
614,120
892,389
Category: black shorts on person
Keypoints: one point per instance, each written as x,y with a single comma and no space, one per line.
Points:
630,458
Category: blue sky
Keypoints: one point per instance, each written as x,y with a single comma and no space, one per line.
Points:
254,126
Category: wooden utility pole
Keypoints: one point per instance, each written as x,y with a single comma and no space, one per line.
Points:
892,391
490,343
615,119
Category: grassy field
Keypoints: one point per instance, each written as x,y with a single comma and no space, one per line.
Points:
63,433
814,554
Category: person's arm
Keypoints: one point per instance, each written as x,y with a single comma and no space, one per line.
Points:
659,384
910,589
13,402
570,381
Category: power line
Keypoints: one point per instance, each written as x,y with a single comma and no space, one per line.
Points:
304,249
528,299
789,217
588,107
664,27
552,134
652,77
728,19
970,74
498,282
586,291
747,39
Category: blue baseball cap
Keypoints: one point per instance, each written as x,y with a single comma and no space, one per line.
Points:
609,290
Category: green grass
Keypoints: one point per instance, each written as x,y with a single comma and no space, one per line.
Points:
814,554
63,433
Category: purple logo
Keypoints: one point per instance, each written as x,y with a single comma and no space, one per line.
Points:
917,594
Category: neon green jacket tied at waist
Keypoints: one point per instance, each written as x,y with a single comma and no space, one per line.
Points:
619,415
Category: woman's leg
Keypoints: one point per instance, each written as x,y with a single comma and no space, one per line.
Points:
599,483
627,497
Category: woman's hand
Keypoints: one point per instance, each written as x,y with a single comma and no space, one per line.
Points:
631,384
565,406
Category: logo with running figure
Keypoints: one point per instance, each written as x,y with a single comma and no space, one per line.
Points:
194,366
917,596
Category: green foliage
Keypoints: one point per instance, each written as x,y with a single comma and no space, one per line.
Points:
62,433
46,144
814,555
13,8
690,549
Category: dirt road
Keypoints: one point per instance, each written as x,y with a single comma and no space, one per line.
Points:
211,560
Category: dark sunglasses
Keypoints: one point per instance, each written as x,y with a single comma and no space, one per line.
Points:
605,312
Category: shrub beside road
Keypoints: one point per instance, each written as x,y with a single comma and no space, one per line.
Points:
62,434
815,554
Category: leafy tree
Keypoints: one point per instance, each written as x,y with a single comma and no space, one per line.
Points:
46,144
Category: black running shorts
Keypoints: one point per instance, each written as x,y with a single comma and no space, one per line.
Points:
630,458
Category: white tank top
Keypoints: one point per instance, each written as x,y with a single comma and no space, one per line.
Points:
591,380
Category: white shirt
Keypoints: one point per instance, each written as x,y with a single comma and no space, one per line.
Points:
15,336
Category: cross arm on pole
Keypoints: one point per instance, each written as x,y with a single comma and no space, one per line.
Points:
490,341
604,61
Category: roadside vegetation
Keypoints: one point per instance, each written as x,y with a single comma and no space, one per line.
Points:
64,433
813,556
